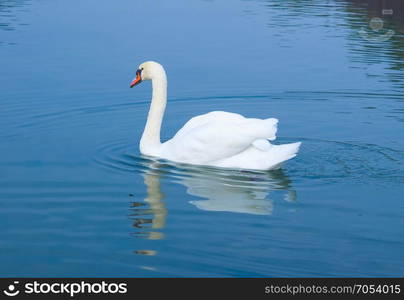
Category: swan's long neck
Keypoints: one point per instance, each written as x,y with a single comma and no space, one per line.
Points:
150,142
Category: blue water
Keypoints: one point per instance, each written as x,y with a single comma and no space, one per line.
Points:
77,198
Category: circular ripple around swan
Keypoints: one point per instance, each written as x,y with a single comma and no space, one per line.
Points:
332,161
319,161
121,157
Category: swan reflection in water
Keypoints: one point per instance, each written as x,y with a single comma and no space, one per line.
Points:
237,192
156,208
220,190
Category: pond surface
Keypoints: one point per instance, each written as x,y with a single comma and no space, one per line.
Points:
77,198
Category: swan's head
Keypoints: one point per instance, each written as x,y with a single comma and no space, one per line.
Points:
147,71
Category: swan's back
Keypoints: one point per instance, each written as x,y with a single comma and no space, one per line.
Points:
217,135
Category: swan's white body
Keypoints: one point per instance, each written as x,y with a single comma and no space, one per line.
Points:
218,138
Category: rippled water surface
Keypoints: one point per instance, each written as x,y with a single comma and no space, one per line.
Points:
77,198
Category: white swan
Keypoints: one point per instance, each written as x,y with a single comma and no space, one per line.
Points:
218,138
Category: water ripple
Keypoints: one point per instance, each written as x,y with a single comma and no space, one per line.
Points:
319,160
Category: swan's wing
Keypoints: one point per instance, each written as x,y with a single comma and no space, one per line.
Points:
216,136
207,118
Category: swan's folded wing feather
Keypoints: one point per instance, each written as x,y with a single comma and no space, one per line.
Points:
208,118
216,137
262,144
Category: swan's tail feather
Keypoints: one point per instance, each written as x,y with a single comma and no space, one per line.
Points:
273,125
283,153
290,149
262,155
286,151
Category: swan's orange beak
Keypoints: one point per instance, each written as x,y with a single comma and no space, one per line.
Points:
137,80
